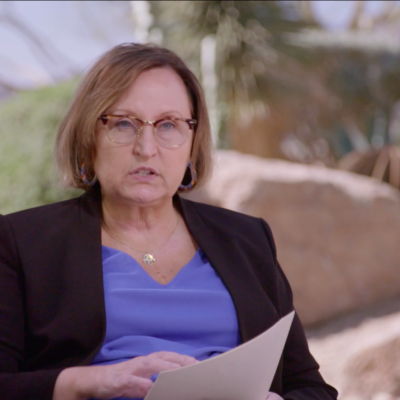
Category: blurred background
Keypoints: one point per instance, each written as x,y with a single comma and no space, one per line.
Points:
304,100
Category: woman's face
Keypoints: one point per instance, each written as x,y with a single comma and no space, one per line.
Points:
143,172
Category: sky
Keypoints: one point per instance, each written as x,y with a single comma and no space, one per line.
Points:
76,31
79,31
336,15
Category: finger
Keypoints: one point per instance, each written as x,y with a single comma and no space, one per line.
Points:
135,387
181,359
147,366
117,382
273,396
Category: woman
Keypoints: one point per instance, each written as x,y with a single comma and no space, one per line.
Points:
101,293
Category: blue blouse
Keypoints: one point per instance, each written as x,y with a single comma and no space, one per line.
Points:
193,314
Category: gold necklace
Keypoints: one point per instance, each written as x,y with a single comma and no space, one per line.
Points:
148,258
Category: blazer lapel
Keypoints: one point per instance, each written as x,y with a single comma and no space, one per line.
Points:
255,311
90,265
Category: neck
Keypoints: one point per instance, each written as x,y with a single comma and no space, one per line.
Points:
132,219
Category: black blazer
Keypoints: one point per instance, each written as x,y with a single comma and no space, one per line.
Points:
52,313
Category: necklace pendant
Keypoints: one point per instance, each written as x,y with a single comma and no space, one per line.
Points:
148,259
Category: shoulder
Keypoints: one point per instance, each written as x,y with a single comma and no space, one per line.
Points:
208,211
53,220
232,224
50,230
32,228
44,213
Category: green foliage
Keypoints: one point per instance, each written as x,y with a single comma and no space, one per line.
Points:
322,100
250,43
29,122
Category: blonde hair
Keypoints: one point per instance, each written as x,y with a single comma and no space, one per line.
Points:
103,85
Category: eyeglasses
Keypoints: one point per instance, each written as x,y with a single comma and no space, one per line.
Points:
168,132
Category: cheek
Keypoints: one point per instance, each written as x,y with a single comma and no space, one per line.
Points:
110,163
176,163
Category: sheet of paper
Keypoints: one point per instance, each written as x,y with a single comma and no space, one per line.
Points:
243,373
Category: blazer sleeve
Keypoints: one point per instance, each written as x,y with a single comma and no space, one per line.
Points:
16,384
301,379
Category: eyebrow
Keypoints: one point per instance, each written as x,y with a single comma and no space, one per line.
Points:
134,114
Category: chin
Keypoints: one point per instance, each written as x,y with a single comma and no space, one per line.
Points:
146,196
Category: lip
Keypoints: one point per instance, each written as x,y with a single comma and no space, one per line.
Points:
143,178
136,170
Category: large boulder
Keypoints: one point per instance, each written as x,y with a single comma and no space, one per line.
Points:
375,369
337,233
359,353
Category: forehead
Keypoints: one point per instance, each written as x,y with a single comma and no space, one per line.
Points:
156,90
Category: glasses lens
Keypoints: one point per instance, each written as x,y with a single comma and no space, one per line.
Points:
122,129
172,133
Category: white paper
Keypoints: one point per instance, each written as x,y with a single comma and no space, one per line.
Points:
243,373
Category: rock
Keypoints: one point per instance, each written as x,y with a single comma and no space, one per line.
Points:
359,354
337,233
375,369
383,396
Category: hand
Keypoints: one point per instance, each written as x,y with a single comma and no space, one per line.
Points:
127,379
273,396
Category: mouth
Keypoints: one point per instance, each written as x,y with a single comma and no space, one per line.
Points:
142,171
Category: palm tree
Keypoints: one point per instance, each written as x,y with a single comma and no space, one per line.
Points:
281,93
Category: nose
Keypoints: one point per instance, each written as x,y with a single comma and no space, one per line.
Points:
145,143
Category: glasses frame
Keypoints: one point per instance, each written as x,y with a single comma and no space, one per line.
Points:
105,118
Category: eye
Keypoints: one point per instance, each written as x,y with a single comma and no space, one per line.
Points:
127,124
124,123
166,125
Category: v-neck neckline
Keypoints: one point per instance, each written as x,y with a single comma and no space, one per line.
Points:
196,256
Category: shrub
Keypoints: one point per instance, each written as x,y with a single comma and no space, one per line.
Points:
29,122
